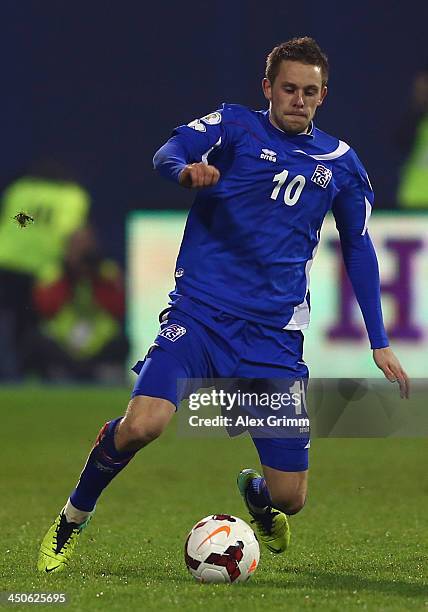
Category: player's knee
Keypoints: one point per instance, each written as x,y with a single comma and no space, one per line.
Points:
138,430
289,504
142,431
144,421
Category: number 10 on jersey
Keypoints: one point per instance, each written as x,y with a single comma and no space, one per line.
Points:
292,191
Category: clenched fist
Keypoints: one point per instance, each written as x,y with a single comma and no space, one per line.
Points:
195,176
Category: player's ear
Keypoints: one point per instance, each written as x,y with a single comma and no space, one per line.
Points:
323,95
267,89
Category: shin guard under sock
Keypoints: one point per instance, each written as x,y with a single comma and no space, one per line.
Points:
103,464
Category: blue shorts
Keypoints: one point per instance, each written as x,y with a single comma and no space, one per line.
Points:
199,342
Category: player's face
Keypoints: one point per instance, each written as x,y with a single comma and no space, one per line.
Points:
294,96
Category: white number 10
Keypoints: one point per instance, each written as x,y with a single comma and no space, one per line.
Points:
296,184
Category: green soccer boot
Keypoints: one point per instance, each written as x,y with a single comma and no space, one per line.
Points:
58,545
271,526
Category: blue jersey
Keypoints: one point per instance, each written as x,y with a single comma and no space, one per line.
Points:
250,240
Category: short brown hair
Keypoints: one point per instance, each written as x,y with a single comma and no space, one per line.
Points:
304,49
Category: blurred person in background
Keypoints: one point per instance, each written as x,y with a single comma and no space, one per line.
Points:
58,206
80,336
412,139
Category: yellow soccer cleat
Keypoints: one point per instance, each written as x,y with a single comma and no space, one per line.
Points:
271,525
58,545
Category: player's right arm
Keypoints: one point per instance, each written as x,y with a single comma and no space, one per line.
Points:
184,157
196,176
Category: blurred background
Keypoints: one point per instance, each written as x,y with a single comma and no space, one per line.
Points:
92,89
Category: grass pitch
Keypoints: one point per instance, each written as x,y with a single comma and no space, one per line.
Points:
360,543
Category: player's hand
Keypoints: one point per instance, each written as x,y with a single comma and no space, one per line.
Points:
195,176
387,362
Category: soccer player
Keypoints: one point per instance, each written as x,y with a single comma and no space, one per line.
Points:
265,182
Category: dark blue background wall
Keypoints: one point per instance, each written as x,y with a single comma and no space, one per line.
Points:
99,85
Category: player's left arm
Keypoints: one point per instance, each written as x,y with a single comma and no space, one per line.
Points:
352,208
386,360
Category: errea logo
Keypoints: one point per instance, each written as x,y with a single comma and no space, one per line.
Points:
268,154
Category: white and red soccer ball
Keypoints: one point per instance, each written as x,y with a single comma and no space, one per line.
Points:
221,548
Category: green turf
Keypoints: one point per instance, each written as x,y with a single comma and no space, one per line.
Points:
360,543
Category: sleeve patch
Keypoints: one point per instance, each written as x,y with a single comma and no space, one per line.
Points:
212,118
197,125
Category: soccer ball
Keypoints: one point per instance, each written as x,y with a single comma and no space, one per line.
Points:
221,548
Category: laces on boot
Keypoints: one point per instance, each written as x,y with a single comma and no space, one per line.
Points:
64,531
265,522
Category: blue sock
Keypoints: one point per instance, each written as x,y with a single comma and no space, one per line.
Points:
103,464
258,494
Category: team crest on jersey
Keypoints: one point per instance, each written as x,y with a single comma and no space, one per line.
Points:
212,118
197,125
179,272
173,332
268,154
322,176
